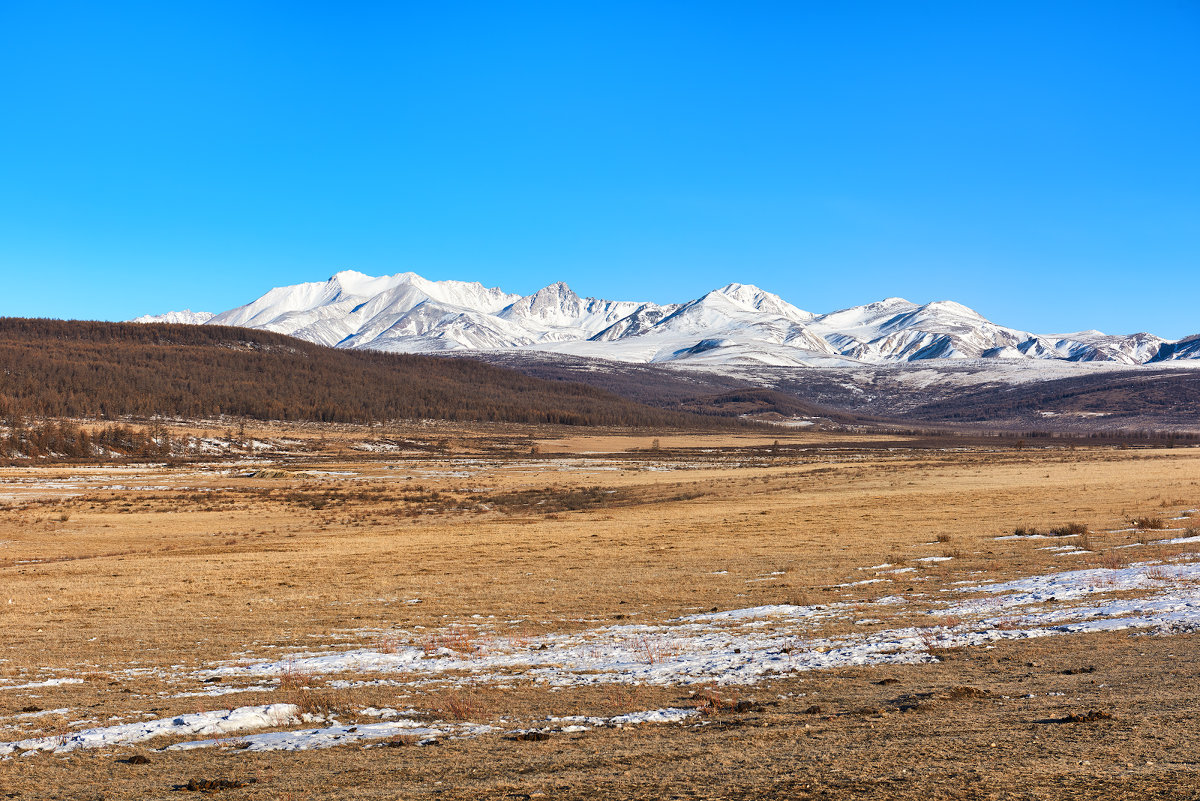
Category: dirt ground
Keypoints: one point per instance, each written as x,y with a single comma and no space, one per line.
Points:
135,582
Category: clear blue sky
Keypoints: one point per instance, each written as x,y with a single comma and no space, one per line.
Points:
1038,161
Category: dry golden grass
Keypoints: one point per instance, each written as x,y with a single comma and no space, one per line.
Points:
112,573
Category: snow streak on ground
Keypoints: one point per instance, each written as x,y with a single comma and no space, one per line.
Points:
739,646
745,646
221,722
234,721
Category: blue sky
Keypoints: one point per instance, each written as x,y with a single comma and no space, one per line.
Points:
1037,161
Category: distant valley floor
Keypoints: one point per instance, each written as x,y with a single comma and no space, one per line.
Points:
978,395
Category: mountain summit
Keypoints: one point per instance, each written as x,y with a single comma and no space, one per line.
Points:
736,324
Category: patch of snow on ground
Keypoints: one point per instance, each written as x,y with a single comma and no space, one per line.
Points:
329,736
1178,541
47,683
744,646
220,722
737,646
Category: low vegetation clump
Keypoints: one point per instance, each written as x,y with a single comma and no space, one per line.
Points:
1149,523
1091,716
1070,530
458,705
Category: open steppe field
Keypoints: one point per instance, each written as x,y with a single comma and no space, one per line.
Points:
458,612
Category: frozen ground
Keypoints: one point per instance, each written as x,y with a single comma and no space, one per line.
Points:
726,647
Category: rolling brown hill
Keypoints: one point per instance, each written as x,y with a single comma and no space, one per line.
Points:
57,368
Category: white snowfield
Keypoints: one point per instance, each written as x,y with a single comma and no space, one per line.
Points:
225,721
736,324
730,647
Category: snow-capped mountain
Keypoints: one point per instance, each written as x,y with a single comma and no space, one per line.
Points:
187,317
736,324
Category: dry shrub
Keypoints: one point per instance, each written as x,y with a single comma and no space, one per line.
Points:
618,698
293,678
709,701
1113,560
1149,523
459,705
308,692
1070,530
1027,531
802,598
944,537
390,643
654,650
459,639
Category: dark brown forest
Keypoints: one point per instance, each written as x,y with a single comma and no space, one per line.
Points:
80,369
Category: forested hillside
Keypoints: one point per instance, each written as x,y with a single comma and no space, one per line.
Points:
58,368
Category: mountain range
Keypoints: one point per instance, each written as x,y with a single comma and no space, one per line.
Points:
738,324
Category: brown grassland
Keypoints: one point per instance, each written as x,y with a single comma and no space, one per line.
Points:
133,579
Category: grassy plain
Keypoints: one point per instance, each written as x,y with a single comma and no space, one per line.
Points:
136,579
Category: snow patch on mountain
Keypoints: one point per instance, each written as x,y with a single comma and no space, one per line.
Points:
185,317
738,324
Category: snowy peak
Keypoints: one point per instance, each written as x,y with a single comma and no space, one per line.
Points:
350,303
185,317
735,324
556,304
757,299
715,311
557,314
353,284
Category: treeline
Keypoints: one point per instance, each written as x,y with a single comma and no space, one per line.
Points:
56,368
61,439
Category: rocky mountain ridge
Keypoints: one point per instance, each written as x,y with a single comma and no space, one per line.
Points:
738,324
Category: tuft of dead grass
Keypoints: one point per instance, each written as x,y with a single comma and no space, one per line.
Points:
459,705
1113,560
311,695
